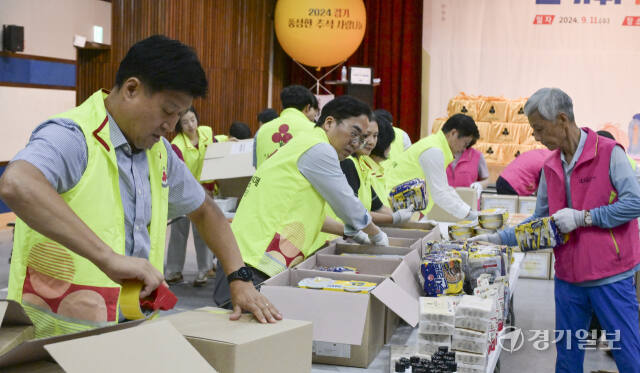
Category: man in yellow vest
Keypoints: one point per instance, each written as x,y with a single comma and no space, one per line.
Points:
283,209
300,108
93,189
428,159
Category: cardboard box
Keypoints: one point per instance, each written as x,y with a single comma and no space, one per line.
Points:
365,266
494,201
231,165
410,243
151,347
15,326
246,346
468,195
526,205
33,350
348,328
536,265
424,232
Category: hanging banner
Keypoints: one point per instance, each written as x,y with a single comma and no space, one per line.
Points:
588,48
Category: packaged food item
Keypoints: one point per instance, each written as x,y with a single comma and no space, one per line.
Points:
338,269
471,358
412,192
437,310
441,274
493,218
474,307
462,230
323,283
539,234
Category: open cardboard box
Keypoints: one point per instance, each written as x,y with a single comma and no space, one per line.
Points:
245,345
422,231
408,242
354,332
366,266
148,347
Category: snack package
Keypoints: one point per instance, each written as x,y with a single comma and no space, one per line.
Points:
539,234
412,192
338,269
323,283
441,274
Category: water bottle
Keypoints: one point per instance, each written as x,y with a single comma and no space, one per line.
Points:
343,74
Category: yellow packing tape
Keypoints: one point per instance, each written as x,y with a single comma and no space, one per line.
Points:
130,300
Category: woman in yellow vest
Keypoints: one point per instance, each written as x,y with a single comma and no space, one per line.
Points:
190,144
401,141
366,176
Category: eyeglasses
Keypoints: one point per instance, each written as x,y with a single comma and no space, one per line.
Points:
357,138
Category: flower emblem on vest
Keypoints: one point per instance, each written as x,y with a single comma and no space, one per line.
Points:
282,136
164,177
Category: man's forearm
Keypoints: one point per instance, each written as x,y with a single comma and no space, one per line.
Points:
332,226
28,193
216,232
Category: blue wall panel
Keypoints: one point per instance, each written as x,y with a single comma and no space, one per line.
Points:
20,70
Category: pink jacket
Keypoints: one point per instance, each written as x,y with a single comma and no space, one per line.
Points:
466,171
591,253
523,173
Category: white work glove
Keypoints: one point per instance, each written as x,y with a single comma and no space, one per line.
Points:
477,187
361,238
472,215
568,219
403,215
380,239
493,238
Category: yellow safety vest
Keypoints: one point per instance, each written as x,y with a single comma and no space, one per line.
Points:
397,145
378,180
194,158
363,166
407,165
61,291
221,138
278,132
280,214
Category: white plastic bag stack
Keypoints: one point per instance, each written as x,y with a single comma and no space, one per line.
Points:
437,323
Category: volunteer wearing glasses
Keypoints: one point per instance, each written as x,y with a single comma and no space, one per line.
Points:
428,159
283,209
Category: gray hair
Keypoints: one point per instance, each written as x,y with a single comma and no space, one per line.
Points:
549,102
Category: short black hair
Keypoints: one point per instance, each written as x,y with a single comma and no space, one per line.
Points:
240,131
164,64
606,134
296,96
314,102
267,115
386,134
343,107
465,125
179,125
382,113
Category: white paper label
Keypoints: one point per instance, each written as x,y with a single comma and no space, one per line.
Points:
332,349
242,147
527,207
500,203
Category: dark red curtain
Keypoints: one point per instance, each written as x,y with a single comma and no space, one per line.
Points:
392,45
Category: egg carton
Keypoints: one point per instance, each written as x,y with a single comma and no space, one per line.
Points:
474,307
472,323
468,358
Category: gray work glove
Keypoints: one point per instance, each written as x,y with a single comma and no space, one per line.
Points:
403,215
569,219
380,239
493,238
361,238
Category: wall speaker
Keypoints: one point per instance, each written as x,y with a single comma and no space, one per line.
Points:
13,38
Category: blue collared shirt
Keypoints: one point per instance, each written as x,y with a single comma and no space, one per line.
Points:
58,149
625,209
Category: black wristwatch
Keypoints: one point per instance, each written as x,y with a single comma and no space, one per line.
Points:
244,274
